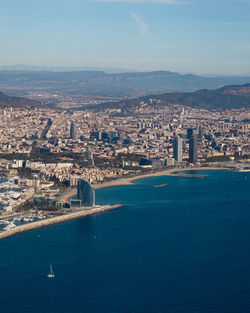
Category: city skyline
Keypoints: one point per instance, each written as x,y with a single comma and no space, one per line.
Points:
183,36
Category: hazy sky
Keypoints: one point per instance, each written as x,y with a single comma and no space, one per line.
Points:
199,36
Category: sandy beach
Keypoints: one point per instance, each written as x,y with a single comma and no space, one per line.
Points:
131,180
169,172
116,182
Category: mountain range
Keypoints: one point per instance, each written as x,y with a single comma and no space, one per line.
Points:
129,88
112,85
227,97
16,102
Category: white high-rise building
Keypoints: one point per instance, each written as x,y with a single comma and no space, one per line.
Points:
178,149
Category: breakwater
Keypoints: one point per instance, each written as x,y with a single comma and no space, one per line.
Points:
56,219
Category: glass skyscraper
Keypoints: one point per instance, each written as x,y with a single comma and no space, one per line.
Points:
178,149
85,193
200,133
190,133
193,149
72,131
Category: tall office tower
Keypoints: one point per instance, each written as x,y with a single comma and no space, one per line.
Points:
200,135
193,149
90,158
36,184
190,133
178,149
46,129
72,131
113,134
85,193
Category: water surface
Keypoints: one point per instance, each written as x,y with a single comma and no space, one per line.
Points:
180,248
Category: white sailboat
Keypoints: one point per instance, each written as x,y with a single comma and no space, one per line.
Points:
51,274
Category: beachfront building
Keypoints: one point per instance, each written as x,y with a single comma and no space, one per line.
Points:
85,193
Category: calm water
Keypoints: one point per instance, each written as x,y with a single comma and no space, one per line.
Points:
181,248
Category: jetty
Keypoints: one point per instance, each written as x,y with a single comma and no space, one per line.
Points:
162,185
57,219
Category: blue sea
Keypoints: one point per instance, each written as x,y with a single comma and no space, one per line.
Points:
175,249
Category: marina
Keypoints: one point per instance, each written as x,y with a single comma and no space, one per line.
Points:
17,219
13,193
50,219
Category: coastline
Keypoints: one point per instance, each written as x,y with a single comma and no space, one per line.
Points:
124,181
169,172
116,182
56,219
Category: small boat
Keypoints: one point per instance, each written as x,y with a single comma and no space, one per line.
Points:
51,274
9,226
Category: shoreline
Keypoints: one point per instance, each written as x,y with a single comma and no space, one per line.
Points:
56,220
169,172
125,181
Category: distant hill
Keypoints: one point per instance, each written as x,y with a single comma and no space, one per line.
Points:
37,68
116,85
227,97
16,102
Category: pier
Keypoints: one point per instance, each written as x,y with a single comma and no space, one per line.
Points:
57,219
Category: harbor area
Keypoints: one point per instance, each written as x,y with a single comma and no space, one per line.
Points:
49,219
29,204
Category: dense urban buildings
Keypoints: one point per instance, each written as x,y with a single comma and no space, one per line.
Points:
146,131
47,147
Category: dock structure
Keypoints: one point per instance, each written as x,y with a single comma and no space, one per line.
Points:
57,219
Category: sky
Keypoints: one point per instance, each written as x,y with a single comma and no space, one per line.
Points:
209,37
